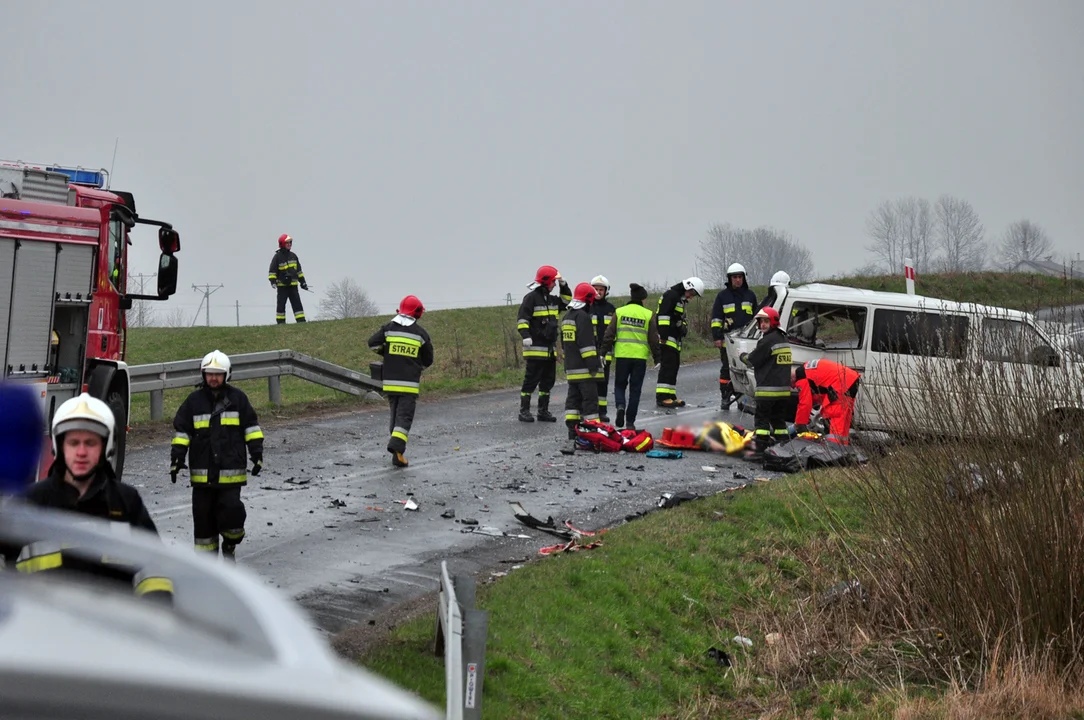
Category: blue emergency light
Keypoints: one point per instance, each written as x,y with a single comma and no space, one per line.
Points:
82,176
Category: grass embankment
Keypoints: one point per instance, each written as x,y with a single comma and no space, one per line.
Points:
479,349
624,630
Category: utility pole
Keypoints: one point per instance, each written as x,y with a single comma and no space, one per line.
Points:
508,299
207,292
237,307
141,307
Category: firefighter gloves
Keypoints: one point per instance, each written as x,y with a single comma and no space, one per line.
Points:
257,466
173,470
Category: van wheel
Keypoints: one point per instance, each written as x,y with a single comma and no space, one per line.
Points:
1068,429
116,403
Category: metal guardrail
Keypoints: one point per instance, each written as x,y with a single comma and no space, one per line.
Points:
461,638
272,364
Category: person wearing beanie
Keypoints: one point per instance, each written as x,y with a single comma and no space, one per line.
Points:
633,339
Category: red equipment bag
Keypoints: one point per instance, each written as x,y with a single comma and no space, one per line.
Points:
598,436
637,440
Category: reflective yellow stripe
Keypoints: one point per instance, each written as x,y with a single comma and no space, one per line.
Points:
230,479
230,421
400,389
201,424
536,353
180,440
401,436
253,433
38,563
154,584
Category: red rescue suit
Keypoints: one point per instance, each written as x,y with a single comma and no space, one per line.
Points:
836,386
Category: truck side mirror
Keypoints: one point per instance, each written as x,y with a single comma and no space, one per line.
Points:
167,275
169,241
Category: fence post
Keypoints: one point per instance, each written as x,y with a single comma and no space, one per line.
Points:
274,390
157,402
475,631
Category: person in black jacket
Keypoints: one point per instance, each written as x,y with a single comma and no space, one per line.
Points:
582,365
407,351
602,313
285,275
81,479
215,425
539,316
670,320
771,361
733,310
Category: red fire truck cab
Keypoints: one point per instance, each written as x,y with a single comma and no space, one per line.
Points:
64,239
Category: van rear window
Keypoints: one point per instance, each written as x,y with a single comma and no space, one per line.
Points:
919,333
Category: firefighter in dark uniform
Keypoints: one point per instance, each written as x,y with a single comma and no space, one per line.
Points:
770,360
670,320
81,480
285,275
582,365
539,317
733,310
214,427
602,313
407,351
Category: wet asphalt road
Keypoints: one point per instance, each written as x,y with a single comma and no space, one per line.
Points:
325,522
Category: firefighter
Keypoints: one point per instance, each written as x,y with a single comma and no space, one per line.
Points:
837,384
602,312
285,275
407,351
670,320
81,478
633,340
770,361
539,317
733,310
583,369
777,289
214,426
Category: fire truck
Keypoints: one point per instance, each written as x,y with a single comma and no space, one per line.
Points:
64,237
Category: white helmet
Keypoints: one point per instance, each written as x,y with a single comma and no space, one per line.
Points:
735,269
695,284
601,280
84,412
781,278
215,361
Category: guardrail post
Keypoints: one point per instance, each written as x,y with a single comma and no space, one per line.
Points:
475,631
157,402
274,390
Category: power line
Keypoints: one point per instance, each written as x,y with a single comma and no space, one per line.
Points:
207,292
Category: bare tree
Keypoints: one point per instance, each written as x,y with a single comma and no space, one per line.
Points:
902,229
762,251
142,312
960,235
175,318
346,299
1024,240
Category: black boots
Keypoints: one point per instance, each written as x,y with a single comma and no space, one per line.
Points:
525,408
620,417
544,409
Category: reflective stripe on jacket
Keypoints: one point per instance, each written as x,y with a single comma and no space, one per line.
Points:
578,340
670,318
407,350
214,429
539,320
285,269
632,334
733,309
771,365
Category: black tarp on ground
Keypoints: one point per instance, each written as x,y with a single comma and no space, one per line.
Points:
805,454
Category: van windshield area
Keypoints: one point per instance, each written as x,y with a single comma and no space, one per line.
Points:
1013,341
831,327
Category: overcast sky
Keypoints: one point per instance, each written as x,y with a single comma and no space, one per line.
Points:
447,149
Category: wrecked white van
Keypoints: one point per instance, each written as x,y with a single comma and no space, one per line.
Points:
910,348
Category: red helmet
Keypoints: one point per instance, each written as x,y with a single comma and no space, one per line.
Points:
412,306
771,314
585,293
546,275
283,239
